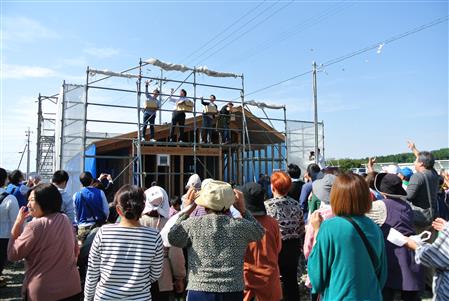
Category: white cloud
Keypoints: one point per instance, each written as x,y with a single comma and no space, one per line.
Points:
102,52
23,29
21,72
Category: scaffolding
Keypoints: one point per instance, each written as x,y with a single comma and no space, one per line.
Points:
45,145
87,118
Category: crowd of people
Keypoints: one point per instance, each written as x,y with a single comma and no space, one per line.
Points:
354,237
212,119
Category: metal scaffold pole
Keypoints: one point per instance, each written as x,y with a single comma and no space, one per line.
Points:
139,138
315,110
160,97
244,131
285,135
194,120
83,149
38,140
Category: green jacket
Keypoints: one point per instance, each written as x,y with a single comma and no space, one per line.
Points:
340,267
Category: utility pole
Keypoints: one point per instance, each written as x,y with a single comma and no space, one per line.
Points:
28,134
315,110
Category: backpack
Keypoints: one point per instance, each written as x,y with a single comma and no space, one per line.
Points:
443,205
3,196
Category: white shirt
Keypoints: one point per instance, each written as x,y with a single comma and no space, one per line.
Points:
68,207
9,209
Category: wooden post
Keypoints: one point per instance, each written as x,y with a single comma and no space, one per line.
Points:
239,166
181,176
220,166
230,164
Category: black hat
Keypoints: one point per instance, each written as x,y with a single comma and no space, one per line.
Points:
389,184
254,198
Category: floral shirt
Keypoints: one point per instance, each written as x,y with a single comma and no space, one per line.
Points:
288,213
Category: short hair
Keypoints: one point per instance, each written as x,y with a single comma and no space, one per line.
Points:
184,91
350,195
131,200
332,171
281,181
86,178
294,171
313,169
426,158
3,176
15,177
60,176
48,197
213,96
156,91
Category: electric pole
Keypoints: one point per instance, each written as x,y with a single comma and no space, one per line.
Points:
28,134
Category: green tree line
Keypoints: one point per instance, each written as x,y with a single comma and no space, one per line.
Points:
346,164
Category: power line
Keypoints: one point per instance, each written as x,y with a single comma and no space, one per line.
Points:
253,27
295,29
237,30
363,50
223,31
387,41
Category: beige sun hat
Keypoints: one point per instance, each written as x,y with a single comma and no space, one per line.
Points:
216,195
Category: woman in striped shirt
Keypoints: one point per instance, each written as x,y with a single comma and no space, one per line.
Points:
435,255
125,258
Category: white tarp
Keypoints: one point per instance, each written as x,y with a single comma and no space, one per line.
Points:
93,72
183,68
205,70
263,105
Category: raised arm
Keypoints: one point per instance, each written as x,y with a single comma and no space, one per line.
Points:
411,145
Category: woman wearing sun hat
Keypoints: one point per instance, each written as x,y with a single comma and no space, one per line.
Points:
216,242
404,275
155,215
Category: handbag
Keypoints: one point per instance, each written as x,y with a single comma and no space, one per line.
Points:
423,217
369,248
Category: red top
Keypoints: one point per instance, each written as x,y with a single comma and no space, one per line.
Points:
261,270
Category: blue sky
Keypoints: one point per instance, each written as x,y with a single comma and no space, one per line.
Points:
371,104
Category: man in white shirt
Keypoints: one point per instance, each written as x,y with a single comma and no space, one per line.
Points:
60,179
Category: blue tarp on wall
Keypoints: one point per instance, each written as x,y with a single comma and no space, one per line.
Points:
90,164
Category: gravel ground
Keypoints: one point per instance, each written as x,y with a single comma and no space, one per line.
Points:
13,273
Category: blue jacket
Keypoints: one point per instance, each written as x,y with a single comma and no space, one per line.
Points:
89,206
15,191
